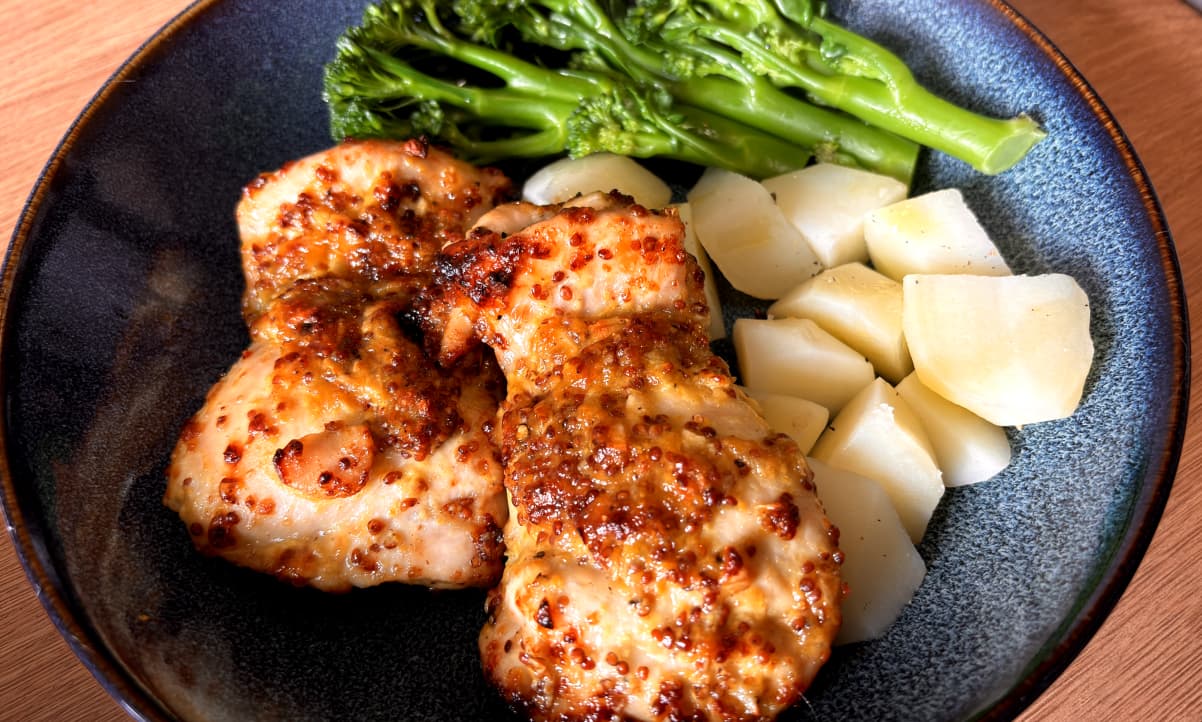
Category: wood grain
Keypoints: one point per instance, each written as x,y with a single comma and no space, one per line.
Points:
1142,56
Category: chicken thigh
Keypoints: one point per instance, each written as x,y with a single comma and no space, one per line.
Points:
335,452
668,558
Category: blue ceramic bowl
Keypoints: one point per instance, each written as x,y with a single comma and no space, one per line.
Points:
122,289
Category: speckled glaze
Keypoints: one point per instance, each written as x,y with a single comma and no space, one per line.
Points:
122,291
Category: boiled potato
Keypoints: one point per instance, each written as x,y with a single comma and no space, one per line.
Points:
717,327
881,568
794,356
877,435
931,233
968,448
858,306
827,203
565,178
802,420
1013,350
747,236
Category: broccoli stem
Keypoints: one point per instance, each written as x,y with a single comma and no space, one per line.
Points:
511,103
734,146
839,68
834,138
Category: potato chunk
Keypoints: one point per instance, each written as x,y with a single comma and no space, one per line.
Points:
802,420
1013,350
877,435
931,233
968,448
568,177
747,236
827,203
858,306
881,568
795,356
717,328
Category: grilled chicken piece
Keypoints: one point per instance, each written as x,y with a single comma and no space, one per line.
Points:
371,211
668,558
335,452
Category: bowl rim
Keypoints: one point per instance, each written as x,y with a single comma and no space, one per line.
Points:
59,604
1066,642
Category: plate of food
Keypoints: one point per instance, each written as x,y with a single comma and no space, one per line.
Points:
305,420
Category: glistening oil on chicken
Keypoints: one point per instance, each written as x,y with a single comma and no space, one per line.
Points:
665,555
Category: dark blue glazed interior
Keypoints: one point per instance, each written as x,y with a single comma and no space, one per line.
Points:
123,310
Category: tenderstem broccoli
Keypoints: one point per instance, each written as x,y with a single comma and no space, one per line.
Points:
489,105
755,86
699,73
793,45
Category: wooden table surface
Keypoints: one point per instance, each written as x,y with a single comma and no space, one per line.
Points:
1144,57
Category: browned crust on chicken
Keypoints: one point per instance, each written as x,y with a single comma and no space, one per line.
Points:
668,558
335,452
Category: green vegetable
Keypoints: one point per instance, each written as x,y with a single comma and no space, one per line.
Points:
791,43
699,73
489,105
713,82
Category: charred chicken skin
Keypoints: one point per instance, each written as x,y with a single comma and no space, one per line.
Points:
668,558
335,452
